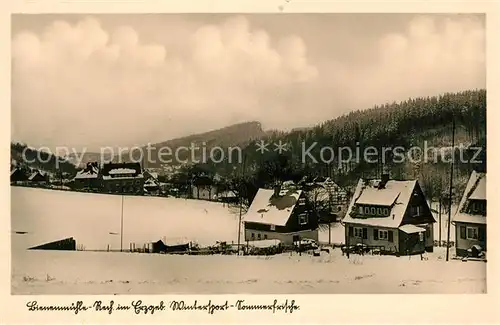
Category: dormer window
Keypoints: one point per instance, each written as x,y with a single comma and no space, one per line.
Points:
374,211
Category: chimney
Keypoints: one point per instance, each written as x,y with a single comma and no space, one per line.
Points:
384,180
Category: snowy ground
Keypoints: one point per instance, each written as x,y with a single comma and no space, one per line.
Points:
94,220
55,272
47,215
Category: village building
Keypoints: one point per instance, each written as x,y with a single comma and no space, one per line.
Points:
326,195
18,175
390,215
122,178
38,177
470,217
280,214
228,197
88,178
151,183
203,188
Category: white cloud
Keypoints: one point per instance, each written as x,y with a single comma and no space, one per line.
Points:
83,85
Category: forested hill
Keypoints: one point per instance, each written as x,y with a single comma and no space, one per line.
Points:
31,158
405,124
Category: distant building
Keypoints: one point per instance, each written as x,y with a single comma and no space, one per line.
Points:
203,188
228,197
122,178
393,215
88,178
38,177
470,218
151,183
280,214
18,175
329,196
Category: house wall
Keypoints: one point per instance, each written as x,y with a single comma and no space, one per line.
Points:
203,192
118,185
410,243
370,240
293,224
429,237
285,238
93,183
419,200
461,244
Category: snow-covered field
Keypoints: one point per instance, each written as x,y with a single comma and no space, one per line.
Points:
94,220
47,215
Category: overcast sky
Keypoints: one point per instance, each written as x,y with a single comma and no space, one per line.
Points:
124,80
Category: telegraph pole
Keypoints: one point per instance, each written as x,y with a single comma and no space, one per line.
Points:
451,189
121,226
241,203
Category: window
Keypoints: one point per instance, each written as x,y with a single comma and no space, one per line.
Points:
358,232
372,211
253,236
360,210
421,236
302,201
478,207
416,211
258,236
379,211
472,233
265,236
303,219
463,232
273,227
383,235
386,211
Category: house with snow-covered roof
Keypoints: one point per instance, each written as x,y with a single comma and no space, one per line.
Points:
280,214
470,217
19,175
88,178
38,177
392,215
122,178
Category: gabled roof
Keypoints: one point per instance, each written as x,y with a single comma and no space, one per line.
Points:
35,174
475,190
91,171
395,195
266,208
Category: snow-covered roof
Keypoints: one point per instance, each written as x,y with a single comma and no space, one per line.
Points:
266,208
480,191
86,174
121,171
475,190
150,183
395,195
34,174
411,229
125,177
375,196
227,194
